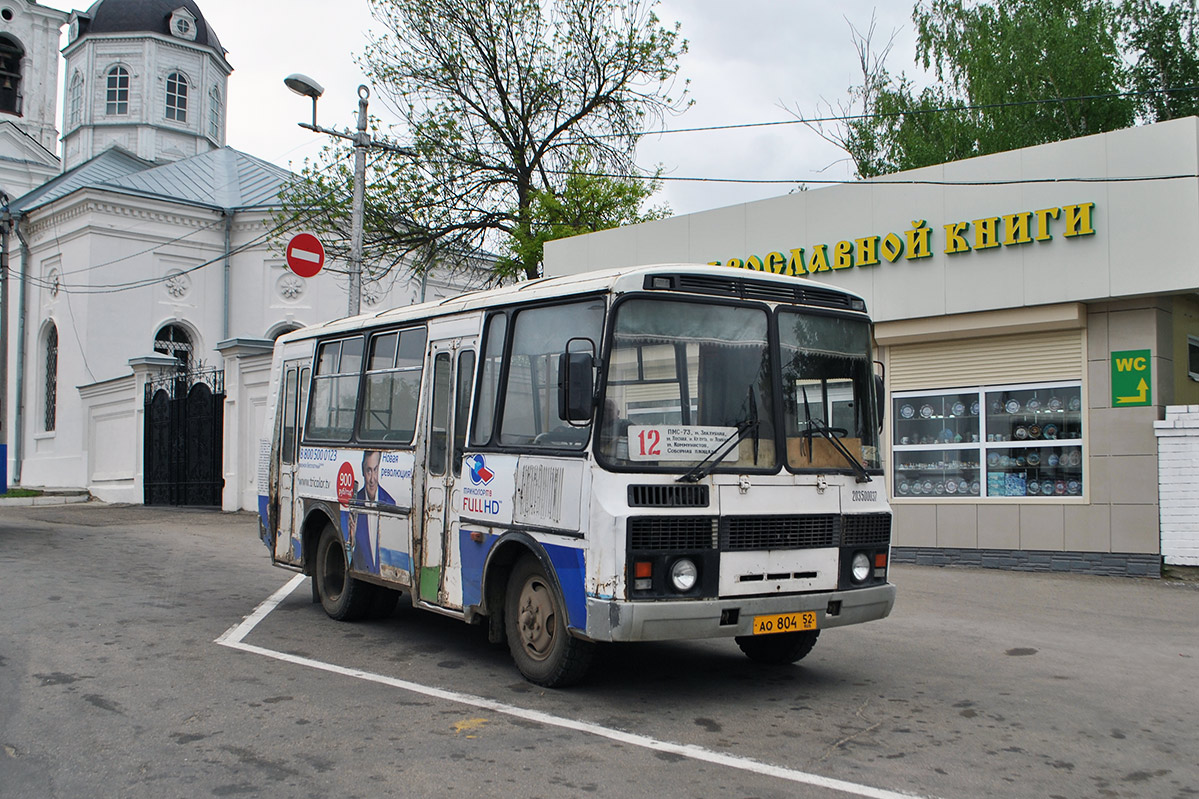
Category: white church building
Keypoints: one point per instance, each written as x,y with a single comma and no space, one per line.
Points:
145,262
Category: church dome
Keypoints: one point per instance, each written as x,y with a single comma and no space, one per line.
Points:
149,16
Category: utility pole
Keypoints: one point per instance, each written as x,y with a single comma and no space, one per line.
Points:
307,87
5,228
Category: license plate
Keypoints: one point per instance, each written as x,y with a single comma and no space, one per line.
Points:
784,623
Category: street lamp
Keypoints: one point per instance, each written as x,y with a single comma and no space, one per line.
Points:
307,87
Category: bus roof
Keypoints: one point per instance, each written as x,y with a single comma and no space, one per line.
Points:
698,278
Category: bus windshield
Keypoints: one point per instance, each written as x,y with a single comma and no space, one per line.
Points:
690,382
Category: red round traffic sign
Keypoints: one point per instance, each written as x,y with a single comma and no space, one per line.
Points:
305,255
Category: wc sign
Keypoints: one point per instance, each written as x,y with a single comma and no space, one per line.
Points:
1131,378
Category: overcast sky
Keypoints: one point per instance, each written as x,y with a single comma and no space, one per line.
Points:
747,60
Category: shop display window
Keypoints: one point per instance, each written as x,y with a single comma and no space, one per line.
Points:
990,441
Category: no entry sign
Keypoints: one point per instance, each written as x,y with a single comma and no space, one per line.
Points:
305,255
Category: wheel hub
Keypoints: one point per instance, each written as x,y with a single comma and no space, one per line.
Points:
536,618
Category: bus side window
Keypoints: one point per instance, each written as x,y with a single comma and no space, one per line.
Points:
439,427
465,379
489,380
305,380
335,390
288,449
392,386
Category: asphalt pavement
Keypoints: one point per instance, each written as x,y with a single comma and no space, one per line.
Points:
129,668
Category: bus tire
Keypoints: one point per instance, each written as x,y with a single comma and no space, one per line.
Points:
535,621
342,597
778,649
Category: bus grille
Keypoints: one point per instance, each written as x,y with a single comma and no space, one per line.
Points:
750,533
672,532
668,496
743,533
866,530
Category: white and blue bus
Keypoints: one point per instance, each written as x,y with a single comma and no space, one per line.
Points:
644,454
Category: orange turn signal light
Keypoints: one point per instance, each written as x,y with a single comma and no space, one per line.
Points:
880,560
643,568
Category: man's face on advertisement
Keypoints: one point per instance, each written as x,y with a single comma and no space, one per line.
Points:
370,474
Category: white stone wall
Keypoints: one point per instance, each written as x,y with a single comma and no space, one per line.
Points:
1178,483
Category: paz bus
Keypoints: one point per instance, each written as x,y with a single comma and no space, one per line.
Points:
641,454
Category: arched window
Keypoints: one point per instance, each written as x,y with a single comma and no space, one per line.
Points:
214,113
173,340
50,412
11,54
118,91
280,329
76,99
177,97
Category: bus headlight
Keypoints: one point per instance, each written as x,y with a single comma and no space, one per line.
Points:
683,575
860,567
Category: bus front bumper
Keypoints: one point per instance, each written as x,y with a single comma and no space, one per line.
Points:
613,620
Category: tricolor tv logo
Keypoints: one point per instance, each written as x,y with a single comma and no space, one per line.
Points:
479,473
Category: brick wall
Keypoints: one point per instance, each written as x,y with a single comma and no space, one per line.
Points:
1178,483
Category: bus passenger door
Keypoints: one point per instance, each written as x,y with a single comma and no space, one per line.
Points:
295,389
453,373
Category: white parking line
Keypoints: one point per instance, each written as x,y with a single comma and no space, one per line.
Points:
235,635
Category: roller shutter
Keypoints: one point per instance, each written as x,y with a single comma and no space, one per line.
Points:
1025,358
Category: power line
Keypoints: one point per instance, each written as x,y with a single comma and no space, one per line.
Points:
913,112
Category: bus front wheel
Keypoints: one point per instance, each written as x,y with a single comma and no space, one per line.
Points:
535,622
779,648
342,597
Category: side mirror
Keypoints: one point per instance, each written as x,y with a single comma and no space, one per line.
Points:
880,395
576,386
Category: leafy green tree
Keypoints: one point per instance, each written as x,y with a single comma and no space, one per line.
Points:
504,102
585,202
1011,74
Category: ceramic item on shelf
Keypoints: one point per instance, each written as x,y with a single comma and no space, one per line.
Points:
939,489
926,411
1034,458
1034,431
1012,406
1059,487
1049,432
963,486
1047,488
993,459
958,408
946,436
907,411
1020,433
974,486
1073,487
974,408
1034,488
1053,459
1075,403
1055,403
995,405
1033,405
916,489
902,488
927,486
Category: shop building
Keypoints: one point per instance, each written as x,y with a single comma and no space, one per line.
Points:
1037,312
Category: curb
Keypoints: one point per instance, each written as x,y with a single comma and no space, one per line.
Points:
50,497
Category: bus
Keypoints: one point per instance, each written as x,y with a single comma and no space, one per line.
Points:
640,454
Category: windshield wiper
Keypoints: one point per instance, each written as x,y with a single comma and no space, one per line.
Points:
821,427
702,469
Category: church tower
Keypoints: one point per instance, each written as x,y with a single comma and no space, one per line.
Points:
28,94
147,75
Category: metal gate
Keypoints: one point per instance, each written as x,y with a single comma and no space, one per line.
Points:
184,431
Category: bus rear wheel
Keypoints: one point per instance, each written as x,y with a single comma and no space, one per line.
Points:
535,622
779,648
342,597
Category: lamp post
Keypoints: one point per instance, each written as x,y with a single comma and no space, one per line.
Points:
307,87
6,222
